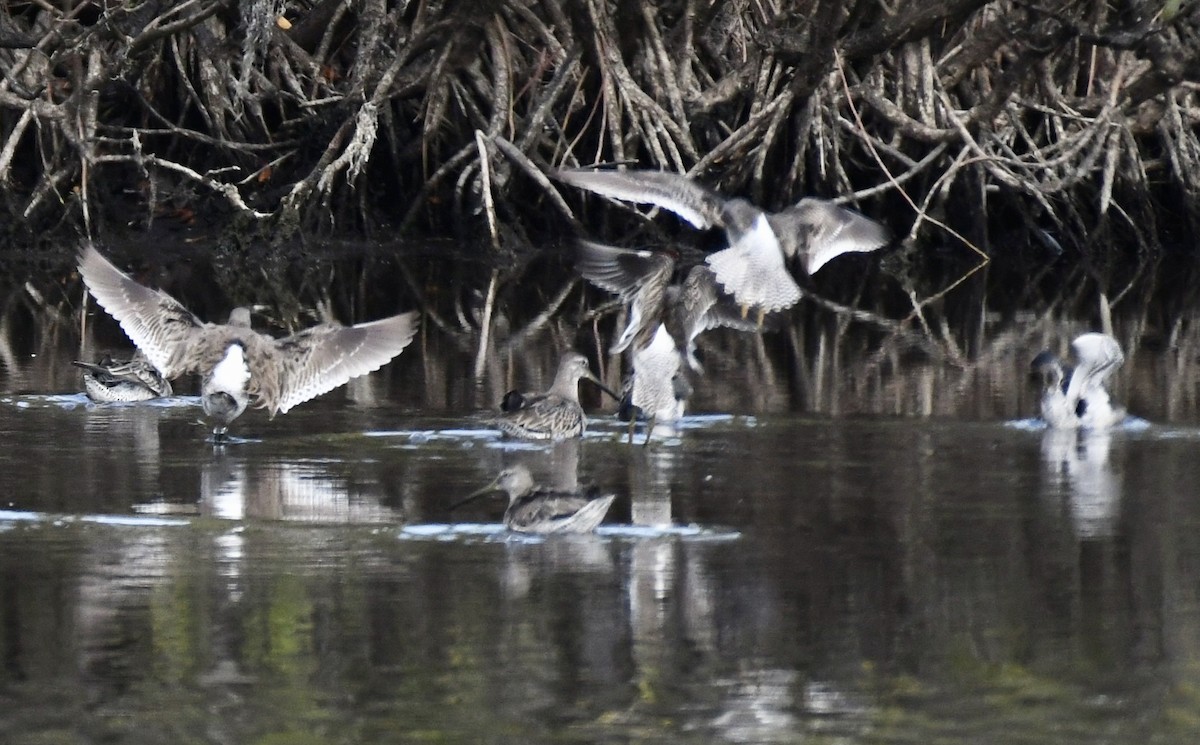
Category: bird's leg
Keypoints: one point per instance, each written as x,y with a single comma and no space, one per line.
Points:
649,430
762,313
745,310
632,424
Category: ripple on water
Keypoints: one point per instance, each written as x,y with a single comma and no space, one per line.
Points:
1128,424
141,521
498,533
599,429
416,438
68,401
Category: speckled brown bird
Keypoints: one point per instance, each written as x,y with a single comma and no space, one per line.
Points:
239,365
532,509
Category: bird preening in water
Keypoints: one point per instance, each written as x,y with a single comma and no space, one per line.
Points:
112,381
1076,397
239,365
532,509
554,414
752,269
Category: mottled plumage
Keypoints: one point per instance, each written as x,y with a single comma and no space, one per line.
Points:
812,231
638,277
110,381
239,365
555,414
664,322
658,386
1076,398
532,509
643,278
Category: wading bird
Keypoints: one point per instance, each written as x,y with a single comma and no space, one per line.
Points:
1076,397
555,414
642,278
110,381
239,365
665,320
658,387
532,509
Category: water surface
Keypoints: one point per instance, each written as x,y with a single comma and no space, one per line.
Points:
793,578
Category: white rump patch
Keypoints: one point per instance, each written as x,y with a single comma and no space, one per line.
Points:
232,373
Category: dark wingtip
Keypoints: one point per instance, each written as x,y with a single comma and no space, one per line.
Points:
589,253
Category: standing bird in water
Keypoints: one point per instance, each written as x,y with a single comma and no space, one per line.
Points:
658,387
752,270
532,509
555,414
239,365
109,381
1076,398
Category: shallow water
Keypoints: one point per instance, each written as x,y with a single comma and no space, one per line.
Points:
764,577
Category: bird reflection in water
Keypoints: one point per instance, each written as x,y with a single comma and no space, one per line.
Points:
650,474
1081,474
130,425
1084,495
234,488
